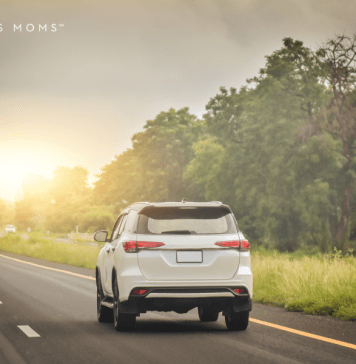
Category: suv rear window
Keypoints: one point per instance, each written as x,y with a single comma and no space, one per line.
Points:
186,220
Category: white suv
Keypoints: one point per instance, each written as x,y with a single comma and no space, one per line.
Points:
10,229
174,256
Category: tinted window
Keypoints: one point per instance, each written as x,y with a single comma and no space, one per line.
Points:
178,220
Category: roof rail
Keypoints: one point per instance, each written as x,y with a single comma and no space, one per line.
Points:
219,202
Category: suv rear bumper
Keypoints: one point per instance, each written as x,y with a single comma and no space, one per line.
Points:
133,279
184,301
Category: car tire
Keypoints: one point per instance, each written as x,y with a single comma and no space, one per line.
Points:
236,321
122,321
104,313
207,314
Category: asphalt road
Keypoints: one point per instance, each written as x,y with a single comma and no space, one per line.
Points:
60,308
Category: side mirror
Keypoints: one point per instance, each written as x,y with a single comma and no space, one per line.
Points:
101,236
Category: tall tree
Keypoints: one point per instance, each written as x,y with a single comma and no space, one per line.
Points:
120,182
337,61
152,170
262,130
164,149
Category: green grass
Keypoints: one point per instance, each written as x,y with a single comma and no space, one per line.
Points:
318,285
38,247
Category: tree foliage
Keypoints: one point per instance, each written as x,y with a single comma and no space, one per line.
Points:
337,60
282,169
96,218
6,213
153,169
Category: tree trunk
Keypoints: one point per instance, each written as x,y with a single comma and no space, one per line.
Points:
341,227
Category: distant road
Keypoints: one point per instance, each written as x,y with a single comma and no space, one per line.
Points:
49,316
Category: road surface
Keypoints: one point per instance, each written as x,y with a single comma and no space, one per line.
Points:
48,315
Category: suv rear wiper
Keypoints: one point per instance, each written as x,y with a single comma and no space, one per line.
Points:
178,232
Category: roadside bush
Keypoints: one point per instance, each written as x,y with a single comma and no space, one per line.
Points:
97,218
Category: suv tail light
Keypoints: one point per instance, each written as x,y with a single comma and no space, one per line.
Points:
245,246
133,246
242,245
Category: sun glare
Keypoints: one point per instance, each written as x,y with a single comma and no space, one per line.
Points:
16,167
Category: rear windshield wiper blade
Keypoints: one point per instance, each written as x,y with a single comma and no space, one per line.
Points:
178,232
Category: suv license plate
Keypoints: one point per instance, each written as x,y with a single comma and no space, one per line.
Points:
189,256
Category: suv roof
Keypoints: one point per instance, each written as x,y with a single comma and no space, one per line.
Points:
139,206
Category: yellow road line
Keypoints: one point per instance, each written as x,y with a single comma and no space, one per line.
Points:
44,267
303,333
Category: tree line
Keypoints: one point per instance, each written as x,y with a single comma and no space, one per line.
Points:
280,151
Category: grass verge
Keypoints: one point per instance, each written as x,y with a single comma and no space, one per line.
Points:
318,285
38,247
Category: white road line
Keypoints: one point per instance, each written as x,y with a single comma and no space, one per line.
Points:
28,331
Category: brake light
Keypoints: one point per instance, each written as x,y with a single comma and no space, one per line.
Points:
139,291
133,246
242,245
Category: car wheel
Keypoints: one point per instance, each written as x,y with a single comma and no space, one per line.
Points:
122,321
104,313
207,314
236,321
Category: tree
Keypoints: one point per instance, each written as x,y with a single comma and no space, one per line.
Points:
265,146
24,214
337,62
68,193
120,183
96,218
30,211
69,184
6,213
164,149
152,170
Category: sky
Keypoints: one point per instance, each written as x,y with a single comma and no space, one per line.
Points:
80,77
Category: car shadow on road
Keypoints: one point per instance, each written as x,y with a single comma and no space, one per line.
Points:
143,326
178,326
